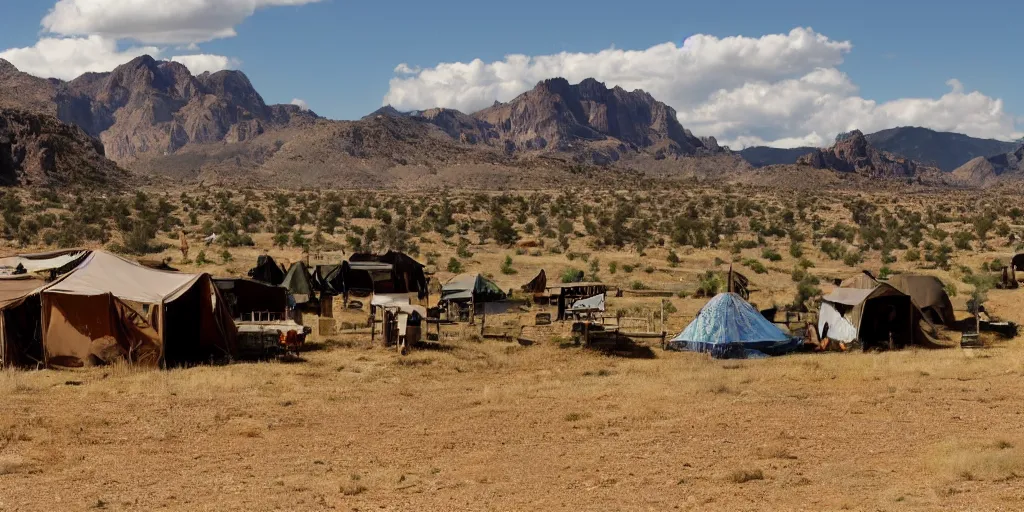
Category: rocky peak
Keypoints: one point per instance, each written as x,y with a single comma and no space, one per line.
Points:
853,153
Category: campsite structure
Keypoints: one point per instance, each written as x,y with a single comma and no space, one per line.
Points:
875,314
728,327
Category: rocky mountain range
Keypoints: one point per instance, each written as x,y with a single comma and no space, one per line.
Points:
854,154
40,150
944,150
156,118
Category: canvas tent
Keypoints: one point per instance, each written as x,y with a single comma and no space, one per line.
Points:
729,327
929,295
299,284
865,310
20,332
471,288
267,271
110,308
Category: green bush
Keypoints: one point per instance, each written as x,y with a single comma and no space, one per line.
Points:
506,267
771,254
454,266
571,274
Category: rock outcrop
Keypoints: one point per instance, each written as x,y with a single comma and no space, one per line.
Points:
855,155
40,150
986,172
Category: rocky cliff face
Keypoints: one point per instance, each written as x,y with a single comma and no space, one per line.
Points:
559,116
40,150
855,155
944,150
149,108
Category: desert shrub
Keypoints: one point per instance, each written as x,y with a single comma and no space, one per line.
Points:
912,255
225,256
852,258
613,267
996,265
201,258
637,285
771,254
962,240
454,266
755,265
796,250
571,275
673,258
710,284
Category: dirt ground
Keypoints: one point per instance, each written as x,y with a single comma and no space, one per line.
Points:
498,426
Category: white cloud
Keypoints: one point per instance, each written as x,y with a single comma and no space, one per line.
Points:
780,89
200,63
300,103
155,21
69,57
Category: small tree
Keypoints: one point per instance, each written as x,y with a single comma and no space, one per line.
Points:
201,258
225,256
506,267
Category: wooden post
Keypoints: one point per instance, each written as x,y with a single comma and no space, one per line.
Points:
729,286
373,323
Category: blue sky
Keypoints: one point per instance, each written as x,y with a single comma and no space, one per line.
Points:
339,56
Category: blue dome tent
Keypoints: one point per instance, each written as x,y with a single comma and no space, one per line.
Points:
730,328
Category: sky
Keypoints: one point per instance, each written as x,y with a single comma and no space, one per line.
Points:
784,73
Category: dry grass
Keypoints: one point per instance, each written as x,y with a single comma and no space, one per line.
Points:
477,426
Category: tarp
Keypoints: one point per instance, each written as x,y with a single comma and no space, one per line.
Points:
58,262
110,308
928,294
267,271
595,303
475,287
728,326
298,283
322,277
537,285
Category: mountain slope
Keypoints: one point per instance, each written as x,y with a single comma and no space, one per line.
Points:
40,150
986,172
944,150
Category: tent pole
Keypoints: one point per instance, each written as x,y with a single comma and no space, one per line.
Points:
163,335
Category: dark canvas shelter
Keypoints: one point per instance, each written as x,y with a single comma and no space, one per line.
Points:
20,321
363,278
113,309
267,271
298,282
471,288
538,285
928,294
246,296
407,274
47,265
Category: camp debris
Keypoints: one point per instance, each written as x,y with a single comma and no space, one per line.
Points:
728,327
593,304
538,285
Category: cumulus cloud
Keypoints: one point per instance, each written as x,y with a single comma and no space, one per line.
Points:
300,103
99,35
779,89
155,21
69,57
203,62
